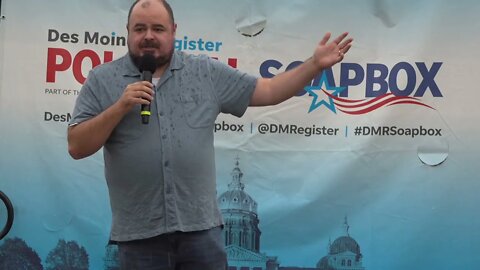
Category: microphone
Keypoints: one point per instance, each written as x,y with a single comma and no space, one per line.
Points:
147,66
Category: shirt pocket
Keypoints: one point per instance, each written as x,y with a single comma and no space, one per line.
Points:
199,111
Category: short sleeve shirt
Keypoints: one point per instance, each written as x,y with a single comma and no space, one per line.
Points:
161,176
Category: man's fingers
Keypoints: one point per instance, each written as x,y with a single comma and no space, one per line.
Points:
143,86
146,83
340,38
344,45
345,49
144,95
143,101
140,92
325,38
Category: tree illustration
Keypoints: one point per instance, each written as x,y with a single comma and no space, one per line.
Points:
15,254
111,258
67,255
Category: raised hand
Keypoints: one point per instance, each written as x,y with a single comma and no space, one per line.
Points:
328,53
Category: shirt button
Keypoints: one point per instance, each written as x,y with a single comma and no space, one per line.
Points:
160,113
166,163
164,137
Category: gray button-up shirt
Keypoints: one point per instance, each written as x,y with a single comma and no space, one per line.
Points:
161,176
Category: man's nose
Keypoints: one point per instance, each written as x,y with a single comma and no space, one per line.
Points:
149,34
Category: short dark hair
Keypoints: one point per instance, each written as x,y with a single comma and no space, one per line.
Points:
165,4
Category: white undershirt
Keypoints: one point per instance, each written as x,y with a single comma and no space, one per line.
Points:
155,81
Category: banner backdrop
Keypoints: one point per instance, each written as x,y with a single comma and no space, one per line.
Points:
374,165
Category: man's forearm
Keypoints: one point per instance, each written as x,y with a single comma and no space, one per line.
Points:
88,137
284,85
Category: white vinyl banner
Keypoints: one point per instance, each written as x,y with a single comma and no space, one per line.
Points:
373,165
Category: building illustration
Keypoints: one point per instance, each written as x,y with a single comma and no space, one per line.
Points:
242,237
241,232
344,254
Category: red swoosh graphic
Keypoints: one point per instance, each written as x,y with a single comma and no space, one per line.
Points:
363,106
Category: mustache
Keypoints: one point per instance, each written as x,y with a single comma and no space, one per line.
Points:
149,44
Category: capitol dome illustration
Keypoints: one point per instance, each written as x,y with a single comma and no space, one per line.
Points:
345,244
236,198
344,254
241,232
242,235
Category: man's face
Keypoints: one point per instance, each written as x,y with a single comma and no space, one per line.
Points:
150,31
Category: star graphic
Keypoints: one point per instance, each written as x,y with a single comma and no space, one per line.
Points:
323,82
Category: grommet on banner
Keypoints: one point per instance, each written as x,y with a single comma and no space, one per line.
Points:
252,20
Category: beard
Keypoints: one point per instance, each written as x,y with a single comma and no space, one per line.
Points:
160,61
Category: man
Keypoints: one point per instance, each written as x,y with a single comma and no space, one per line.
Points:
161,176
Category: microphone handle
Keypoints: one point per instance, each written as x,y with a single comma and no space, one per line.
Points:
145,110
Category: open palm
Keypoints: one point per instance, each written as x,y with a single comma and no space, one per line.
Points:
328,53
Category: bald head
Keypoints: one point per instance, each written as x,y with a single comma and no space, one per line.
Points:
147,4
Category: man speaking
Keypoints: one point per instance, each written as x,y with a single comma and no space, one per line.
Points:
161,175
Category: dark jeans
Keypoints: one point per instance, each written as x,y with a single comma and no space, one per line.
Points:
175,251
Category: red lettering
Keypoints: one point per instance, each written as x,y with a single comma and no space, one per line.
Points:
77,64
232,62
53,66
107,57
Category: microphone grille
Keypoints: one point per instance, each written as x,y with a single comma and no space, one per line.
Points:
148,63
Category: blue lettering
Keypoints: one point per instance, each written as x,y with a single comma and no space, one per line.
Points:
411,79
345,79
265,68
380,80
192,45
428,79
209,46
199,44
